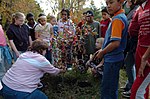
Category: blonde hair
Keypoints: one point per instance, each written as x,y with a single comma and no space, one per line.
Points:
100,40
17,15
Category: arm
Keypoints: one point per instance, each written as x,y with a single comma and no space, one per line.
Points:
51,31
134,26
30,40
144,62
110,47
14,48
116,34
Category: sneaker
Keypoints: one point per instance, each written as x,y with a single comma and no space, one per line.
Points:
124,89
126,94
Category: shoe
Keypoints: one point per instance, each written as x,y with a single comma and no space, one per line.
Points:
124,89
126,94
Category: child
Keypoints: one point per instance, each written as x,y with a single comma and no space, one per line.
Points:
44,31
22,79
53,22
105,22
112,49
99,64
5,56
139,26
31,24
19,35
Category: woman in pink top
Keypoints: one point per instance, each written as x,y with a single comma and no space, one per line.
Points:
5,56
22,79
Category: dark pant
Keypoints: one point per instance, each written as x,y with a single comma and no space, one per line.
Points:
109,87
9,93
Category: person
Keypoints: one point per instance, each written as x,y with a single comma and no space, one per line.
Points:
81,23
105,22
98,69
31,24
18,35
65,24
5,55
44,31
53,22
129,61
112,49
66,31
139,26
91,32
22,80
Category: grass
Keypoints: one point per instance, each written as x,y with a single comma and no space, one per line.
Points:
74,85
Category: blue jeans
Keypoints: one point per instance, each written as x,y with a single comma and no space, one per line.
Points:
4,63
49,56
109,86
130,69
9,93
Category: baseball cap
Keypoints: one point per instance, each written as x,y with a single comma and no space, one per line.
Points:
89,13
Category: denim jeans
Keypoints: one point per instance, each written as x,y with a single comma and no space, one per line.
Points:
49,56
130,69
9,93
4,64
109,86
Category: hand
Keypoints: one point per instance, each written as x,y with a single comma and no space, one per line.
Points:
142,67
63,69
17,54
93,71
99,54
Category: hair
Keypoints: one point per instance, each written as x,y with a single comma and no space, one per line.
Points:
84,13
38,46
100,39
17,15
104,10
40,15
67,11
29,15
51,17
122,1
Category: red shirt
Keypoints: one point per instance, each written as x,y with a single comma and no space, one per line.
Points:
104,25
140,25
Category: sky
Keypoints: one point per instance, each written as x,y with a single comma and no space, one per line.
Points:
48,10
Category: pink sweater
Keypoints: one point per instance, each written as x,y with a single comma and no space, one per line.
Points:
26,72
2,37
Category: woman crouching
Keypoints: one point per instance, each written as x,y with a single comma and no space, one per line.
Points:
22,79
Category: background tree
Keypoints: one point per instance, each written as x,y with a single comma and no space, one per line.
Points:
8,7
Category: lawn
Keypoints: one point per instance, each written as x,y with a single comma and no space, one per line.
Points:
74,85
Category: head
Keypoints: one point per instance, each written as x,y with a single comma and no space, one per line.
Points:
114,6
138,2
99,43
53,20
84,16
30,18
89,16
39,46
18,18
105,13
65,14
42,19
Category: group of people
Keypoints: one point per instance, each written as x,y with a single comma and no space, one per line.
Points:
120,39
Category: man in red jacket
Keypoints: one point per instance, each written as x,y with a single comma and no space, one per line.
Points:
140,26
